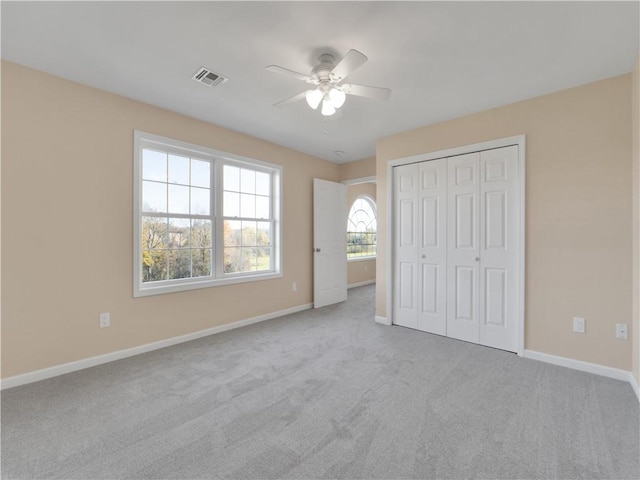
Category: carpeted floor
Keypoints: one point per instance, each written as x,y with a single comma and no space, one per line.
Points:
323,394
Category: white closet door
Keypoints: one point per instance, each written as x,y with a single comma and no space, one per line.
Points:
463,255
500,242
432,251
405,308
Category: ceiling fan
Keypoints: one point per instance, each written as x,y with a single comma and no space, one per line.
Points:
328,76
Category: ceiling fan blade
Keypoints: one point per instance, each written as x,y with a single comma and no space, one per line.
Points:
377,93
289,73
295,98
352,60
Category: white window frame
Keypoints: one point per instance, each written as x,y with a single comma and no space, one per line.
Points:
218,160
373,205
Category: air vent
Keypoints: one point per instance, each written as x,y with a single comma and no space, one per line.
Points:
206,76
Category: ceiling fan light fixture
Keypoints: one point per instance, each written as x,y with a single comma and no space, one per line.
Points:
314,97
337,97
327,108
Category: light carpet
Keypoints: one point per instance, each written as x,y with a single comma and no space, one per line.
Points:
324,393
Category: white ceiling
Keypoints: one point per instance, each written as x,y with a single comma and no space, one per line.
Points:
441,59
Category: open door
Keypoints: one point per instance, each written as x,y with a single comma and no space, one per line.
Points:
329,242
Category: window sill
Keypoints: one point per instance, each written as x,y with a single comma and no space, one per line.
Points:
360,259
149,290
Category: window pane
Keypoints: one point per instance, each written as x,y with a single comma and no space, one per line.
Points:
154,265
232,260
232,232
263,235
200,173
179,232
154,197
178,169
263,183
248,259
179,263
178,199
154,165
200,201
154,233
201,233
361,229
247,181
231,177
231,204
201,261
248,233
263,259
247,206
262,207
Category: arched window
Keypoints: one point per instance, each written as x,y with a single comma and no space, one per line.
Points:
361,229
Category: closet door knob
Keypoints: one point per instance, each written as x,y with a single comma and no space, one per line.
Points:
424,256
477,259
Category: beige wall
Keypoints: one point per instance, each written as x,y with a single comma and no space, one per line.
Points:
359,169
359,271
578,228
635,124
67,221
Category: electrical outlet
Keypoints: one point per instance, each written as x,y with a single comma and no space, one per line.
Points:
366,268
578,324
294,286
105,320
622,331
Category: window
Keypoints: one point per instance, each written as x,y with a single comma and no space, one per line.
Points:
361,229
202,217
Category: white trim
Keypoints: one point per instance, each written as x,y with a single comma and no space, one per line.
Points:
357,181
518,140
382,320
579,365
390,227
361,259
50,372
361,284
634,385
523,225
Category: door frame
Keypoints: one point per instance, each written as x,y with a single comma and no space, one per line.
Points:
518,140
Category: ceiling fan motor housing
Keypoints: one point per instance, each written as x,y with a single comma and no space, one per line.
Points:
321,73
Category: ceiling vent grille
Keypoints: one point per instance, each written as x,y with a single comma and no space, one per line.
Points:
206,76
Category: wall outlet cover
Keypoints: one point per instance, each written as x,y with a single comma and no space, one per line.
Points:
622,331
105,320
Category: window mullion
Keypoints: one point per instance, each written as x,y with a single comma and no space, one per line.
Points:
218,249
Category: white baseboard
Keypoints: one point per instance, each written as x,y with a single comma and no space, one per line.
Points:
361,284
579,365
634,385
54,371
594,368
382,320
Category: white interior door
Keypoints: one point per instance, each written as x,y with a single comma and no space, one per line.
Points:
463,252
405,180
330,242
432,248
500,247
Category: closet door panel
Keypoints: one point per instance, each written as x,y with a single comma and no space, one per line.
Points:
463,247
500,245
432,252
406,228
